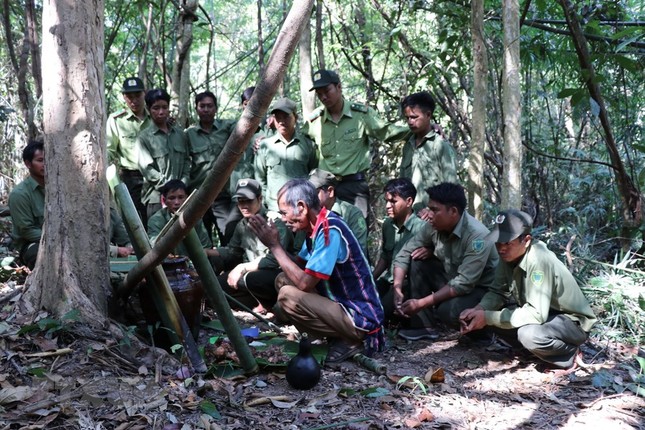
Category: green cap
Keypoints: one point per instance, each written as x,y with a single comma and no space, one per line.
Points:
510,225
322,178
132,85
323,77
285,105
247,189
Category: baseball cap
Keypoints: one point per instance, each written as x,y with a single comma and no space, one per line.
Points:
285,105
322,178
132,85
510,225
323,77
247,189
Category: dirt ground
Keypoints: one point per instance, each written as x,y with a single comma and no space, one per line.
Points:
58,375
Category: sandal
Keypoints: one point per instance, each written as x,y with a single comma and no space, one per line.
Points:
340,351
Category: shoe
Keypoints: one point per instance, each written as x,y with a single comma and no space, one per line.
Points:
340,350
418,333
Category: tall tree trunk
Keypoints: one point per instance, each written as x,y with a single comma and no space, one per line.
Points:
307,97
630,195
260,39
31,35
480,93
19,65
181,70
511,97
281,55
72,270
320,51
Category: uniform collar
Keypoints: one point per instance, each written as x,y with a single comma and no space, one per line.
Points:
347,111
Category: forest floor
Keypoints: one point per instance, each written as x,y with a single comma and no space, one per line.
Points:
56,374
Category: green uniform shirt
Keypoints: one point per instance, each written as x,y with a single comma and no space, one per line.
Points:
394,238
468,259
27,207
160,218
205,147
118,233
427,165
162,157
355,221
121,132
344,146
277,161
245,246
540,284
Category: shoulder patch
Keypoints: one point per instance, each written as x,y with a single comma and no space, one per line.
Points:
537,277
315,114
120,113
478,245
359,107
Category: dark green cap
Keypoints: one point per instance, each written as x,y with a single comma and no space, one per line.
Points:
132,85
249,189
285,105
323,77
322,178
510,225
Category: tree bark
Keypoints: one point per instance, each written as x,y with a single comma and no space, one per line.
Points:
480,93
181,70
281,55
630,195
511,99
307,97
72,270
320,46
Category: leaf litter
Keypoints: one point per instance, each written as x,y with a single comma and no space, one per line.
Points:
56,378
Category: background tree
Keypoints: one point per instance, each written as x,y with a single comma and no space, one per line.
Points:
72,270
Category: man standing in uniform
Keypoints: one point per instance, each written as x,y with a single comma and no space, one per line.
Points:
286,155
329,292
449,263
549,315
122,130
342,130
27,205
427,160
206,139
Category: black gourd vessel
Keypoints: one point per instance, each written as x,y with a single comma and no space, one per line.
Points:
303,371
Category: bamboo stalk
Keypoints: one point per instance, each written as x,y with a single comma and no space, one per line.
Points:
218,301
161,293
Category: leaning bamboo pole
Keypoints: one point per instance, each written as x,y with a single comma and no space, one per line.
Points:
217,299
163,297
281,55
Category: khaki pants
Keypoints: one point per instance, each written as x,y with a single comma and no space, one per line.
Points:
317,315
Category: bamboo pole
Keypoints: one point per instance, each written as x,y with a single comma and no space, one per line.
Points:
162,295
266,88
218,301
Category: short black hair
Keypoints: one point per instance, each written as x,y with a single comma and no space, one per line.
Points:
29,152
449,194
155,95
402,187
201,96
173,185
421,99
247,93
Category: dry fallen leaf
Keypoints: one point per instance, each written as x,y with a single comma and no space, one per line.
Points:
435,375
425,415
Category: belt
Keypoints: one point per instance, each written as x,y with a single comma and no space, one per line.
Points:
128,172
355,177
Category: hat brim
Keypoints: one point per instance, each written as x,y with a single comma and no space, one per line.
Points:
245,194
132,90
497,236
287,111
